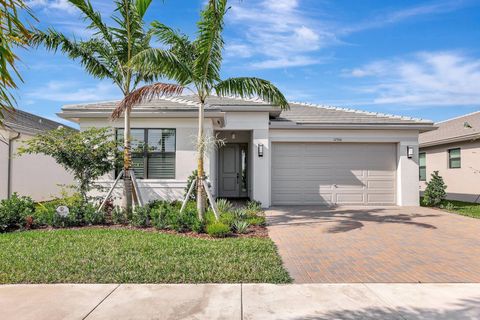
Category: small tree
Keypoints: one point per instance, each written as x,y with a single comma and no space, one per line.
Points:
435,191
87,154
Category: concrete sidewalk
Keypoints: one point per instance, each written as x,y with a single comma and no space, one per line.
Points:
236,301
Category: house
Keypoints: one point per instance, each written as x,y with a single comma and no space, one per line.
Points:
310,154
454,151
35,175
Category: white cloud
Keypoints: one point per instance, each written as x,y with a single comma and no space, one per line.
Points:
70,91
52,5
278,34
426,79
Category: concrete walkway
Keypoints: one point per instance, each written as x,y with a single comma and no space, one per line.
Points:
236,301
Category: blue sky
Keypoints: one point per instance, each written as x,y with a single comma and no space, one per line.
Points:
414,58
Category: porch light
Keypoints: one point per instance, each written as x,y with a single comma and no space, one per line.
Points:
409,152
260,150
233,136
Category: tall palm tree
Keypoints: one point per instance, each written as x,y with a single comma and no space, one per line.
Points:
13,32
197,64
107,55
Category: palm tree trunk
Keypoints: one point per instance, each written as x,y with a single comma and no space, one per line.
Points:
200,169
127,165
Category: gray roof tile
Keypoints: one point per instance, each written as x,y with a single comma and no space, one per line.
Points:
23,121
461,128
299,113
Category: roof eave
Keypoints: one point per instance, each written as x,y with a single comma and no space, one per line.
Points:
465,138
422,127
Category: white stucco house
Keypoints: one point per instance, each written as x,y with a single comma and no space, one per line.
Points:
37,176
310,154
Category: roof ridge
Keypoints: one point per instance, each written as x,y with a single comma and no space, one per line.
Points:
89,103
458,117
377,114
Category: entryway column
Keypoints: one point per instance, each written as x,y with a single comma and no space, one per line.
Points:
407,174
261,166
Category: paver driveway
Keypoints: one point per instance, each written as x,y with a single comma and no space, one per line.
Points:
397,244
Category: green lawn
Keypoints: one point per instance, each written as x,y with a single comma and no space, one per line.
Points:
464,208
133,256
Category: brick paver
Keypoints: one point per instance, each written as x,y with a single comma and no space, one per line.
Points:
397,244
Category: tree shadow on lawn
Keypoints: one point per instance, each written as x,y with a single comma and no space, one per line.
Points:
345,219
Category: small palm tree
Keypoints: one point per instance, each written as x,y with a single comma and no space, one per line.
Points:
107,55
197,64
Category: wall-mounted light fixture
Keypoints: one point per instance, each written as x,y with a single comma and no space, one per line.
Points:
233,136
260,150
409,152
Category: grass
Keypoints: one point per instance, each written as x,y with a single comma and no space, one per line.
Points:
135,256
468,209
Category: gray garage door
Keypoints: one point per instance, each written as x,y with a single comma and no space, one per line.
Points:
333,173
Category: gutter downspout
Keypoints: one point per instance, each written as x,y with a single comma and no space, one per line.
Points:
10,157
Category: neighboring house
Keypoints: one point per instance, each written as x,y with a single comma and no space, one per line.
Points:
33,175
454,151
308,155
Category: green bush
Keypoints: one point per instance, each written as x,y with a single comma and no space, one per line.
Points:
91,216
257,220
224,205
240,226
227,218
218,230
44,215
254,205
435,191
140,217
161,213
14,211
119,216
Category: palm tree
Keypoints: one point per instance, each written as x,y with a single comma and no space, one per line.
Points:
13,32
107,54
197,64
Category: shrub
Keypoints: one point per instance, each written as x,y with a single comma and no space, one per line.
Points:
435,191
140,217
257,220
240,226
119,216
239,214
14,211
227,218
224,205
161,214
91,216
254,205
218,230
44,215
450,206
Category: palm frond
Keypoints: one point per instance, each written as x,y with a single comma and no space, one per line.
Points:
209,43
84,51
252,87
145,94
159,62
95,18
142,6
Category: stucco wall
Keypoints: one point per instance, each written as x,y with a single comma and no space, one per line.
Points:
257,123
37,176
185,160
462,183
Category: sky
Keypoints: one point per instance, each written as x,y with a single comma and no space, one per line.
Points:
411,58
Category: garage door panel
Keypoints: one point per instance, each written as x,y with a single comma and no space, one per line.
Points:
321,173
349,198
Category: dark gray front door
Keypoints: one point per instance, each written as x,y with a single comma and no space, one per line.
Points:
232,171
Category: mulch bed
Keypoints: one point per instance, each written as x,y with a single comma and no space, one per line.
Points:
253,231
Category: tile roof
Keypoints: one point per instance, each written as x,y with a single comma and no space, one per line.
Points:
303,113
457,129
26,122
299,113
